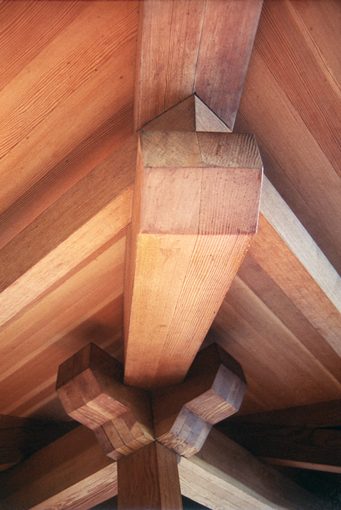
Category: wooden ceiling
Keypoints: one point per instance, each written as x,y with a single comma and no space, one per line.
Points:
67,163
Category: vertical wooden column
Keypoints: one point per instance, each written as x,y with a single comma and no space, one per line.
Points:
148,479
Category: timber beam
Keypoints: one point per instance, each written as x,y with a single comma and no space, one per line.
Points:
195,212
91,390
74,473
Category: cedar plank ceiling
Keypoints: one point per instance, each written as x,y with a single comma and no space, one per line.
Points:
67,73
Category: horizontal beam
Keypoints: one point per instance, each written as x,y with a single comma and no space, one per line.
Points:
305,448
322,414
73,473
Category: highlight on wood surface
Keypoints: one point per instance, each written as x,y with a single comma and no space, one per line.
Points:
196,204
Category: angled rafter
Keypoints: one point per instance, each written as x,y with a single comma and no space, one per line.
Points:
73,473
298,266
178,54
305,448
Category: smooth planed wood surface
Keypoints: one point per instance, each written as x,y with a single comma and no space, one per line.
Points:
177,54
90,387
290,103
149,478
181,265
212,391
224,471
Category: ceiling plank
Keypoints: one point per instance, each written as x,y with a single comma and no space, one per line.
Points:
74,473
181,265
177,54
92,208
304,448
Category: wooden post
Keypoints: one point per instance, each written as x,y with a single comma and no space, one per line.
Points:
149,479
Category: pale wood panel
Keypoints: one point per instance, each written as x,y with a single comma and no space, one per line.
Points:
73,68
292,104
72,301
83,159
32,386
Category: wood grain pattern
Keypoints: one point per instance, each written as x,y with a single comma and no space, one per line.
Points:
224,471
301,269
234,25
80,476
292,105
213,390
287,360
74,69
186,261
149,479
90,387
317,449
177,54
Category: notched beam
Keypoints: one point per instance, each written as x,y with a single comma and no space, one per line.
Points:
90,387
212,391
196,204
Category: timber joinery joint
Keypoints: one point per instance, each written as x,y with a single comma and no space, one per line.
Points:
91,389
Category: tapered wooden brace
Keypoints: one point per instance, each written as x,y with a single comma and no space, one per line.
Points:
90,387
212,391
196,205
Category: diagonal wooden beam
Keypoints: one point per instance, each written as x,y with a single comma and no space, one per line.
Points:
193,45
73,473
298,266
318,449
195,211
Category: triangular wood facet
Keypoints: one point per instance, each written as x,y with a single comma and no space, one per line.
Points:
192,114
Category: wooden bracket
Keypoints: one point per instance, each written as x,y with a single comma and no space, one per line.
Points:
91,390
212,391
90,387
